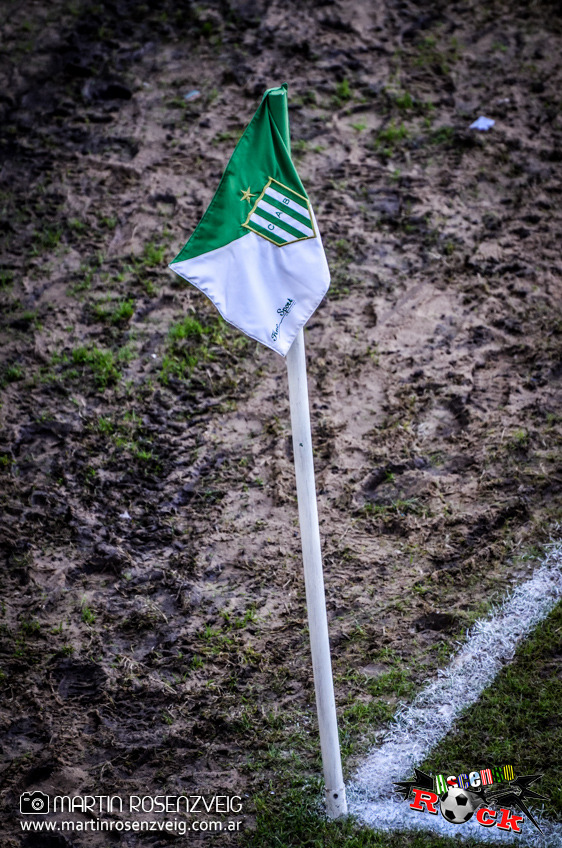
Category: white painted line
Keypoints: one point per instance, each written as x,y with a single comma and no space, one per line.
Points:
418,728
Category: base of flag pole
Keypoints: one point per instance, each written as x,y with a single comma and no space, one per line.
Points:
336,802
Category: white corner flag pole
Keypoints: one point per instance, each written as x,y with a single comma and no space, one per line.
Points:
336,804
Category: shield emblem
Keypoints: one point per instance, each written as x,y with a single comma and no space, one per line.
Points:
281,215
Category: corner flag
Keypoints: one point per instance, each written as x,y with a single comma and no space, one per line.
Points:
257,255
257,252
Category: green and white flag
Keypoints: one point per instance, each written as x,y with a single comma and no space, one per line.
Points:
257,253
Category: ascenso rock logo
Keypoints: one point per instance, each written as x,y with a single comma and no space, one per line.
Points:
489,794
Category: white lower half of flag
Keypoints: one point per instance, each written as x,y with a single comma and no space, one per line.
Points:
266,291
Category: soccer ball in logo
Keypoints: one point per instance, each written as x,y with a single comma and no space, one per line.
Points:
457,806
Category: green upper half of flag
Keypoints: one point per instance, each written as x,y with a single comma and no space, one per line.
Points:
261,155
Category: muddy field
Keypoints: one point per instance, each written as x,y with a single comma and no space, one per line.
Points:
153,631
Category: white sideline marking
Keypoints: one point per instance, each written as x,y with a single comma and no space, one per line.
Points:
417,729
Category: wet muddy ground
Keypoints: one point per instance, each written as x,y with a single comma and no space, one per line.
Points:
152,622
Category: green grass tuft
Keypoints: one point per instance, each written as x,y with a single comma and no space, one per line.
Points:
88,615
404,100
188,328
188,345
6,279
119,312
46,239
101,363
105,426
153,255
443,135
12,373
343,93
390,137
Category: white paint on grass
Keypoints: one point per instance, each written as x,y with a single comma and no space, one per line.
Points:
417,729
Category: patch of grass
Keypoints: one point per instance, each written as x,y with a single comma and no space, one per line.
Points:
188,328
153,255
430,56
6,279
11,374
397,507
28,318
366,712
390,137
343,249
126,353
143,455
173,366
105,426
443,135
100,362
76,225
239,622
46,239
176,102
108,221
149,287
406,102
87,274
130,437
30,627
188,344
372,701
343,93
517,719
118,313
207,29
88,615
392,134
395,682
519,440
343,90
212,95
222,136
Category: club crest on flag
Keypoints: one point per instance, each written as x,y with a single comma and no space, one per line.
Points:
281,215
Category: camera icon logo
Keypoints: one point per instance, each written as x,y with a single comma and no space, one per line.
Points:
34,803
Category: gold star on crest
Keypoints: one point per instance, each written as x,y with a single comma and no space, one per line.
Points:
247,195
